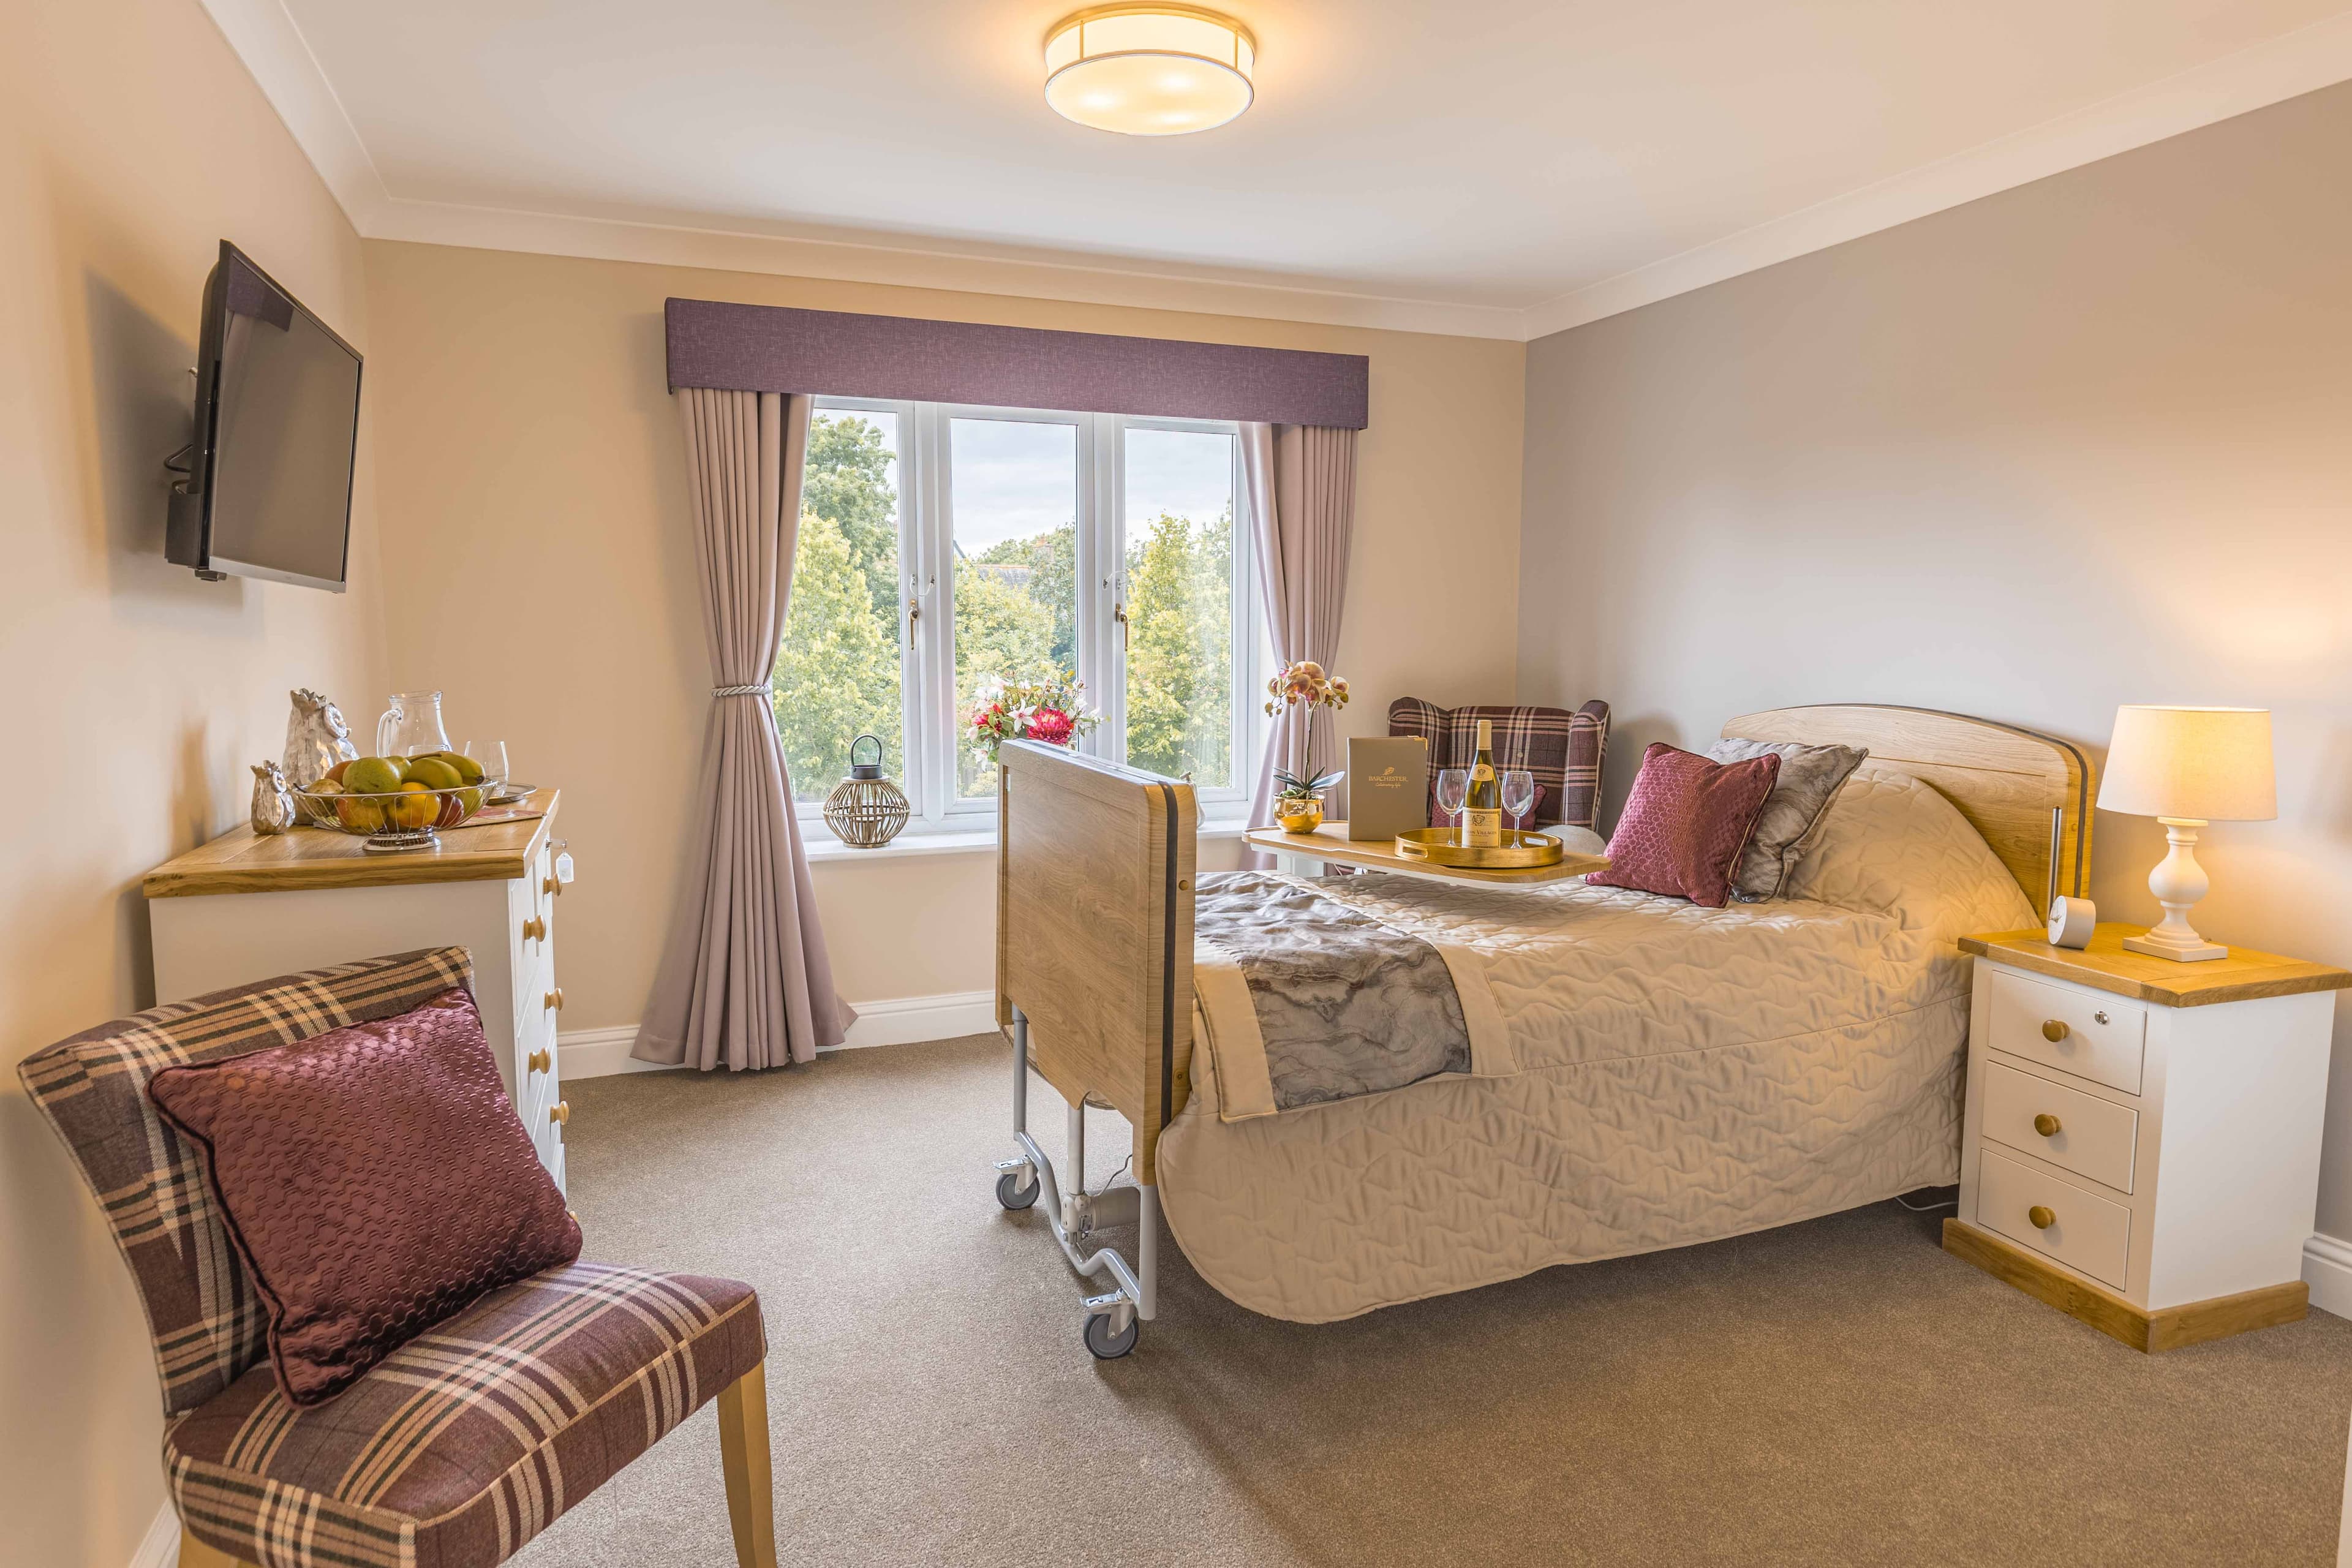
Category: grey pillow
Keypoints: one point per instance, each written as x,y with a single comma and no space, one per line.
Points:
1811,777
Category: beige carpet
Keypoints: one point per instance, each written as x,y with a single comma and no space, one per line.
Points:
1840,1392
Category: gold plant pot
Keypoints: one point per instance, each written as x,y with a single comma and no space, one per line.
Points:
1297,816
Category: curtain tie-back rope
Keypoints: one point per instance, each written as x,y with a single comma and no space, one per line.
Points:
763,689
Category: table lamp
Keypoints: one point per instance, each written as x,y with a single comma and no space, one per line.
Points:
2187,767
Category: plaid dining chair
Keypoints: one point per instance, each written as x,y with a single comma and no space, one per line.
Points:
1562,750
465,1442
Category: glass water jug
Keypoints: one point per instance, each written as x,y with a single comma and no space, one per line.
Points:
411,726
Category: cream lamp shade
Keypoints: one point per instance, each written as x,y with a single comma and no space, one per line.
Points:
1149,69
2196,764
2187,767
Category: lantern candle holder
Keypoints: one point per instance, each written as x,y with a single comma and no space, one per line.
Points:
866,810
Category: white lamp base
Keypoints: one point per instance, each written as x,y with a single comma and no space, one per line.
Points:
2178,882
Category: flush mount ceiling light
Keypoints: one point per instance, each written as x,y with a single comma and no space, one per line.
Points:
1149,71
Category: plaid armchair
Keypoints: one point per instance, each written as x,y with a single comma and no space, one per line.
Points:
467,1441
1561,748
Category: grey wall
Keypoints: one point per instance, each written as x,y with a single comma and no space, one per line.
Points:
2083,443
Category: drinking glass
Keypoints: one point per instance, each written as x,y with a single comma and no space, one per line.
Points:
1453,790
492,756
1518,798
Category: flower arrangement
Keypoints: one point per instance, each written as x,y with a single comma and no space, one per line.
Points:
1305,685
1052,711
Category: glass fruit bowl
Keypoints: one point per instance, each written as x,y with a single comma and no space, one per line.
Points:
407,817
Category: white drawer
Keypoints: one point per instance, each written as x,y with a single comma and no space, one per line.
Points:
2085,1233
2091,1136
2100,1037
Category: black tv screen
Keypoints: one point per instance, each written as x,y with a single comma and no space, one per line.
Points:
268,484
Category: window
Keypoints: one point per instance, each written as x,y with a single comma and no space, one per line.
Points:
945,549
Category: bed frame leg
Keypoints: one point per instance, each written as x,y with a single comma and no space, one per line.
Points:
1113,1318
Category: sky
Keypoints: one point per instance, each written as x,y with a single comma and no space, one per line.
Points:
1013,478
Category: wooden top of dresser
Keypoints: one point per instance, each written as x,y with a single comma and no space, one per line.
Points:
2104,965
239,861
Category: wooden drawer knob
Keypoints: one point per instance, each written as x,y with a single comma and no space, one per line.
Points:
2046,1124
555,999
2054,1030
539,1060
535,929
561,1114
2041,1218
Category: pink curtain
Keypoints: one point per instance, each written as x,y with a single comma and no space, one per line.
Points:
1301,485
744,980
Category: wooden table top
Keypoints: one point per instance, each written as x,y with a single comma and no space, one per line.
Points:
1330,842
239,861
2106,965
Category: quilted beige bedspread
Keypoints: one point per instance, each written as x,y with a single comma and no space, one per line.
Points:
1670,1075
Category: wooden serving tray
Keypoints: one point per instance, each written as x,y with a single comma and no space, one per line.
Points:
1330,842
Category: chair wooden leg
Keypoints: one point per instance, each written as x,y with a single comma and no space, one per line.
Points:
751,1487
194,1553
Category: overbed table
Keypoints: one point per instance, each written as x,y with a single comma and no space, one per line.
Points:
1305,854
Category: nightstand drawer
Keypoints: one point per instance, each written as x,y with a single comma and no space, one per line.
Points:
2087,1234
2098,1038
2088,1135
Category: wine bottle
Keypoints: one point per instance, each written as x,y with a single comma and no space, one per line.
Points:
1482,815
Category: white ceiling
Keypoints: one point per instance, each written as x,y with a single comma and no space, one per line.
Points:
1503,167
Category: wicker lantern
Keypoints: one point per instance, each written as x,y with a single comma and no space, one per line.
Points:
866,810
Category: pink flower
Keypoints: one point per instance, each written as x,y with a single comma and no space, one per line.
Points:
1050,725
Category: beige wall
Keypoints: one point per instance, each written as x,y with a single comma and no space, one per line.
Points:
132,142
539,567
2083,443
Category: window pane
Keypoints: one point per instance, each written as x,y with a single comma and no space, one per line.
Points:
837,672
1013,489
1180,576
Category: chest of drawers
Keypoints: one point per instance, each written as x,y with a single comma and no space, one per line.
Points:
242,908
2141,1145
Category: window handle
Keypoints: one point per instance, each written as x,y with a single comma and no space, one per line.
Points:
1118,614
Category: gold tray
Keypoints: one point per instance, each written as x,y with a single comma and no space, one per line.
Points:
1442,847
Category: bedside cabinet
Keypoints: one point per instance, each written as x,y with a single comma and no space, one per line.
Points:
242,908
2141,1147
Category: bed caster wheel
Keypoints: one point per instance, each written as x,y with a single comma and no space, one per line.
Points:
1013,1196
1106,1343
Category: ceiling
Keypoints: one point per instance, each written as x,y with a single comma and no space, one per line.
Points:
1502,167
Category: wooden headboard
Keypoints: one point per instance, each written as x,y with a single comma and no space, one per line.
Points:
2029,794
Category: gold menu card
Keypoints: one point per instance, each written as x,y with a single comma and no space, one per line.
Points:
1388,787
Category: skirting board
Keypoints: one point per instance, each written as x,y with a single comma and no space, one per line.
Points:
899,1021
2327,1269
161,1547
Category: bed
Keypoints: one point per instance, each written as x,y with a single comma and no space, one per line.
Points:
1640,1072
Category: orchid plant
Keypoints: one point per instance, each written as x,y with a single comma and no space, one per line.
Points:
1305,685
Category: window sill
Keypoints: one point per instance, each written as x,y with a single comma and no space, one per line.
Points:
825,849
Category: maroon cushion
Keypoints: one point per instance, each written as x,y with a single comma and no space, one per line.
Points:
1686,823
376,1180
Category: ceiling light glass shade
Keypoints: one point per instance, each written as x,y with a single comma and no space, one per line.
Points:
1149,71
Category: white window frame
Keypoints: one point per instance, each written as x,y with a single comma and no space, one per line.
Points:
930,724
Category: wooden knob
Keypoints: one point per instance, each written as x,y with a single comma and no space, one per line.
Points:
2046,1124
535,929
2054,1030
561,1113
549,885
2041,1218
539,1060
555,999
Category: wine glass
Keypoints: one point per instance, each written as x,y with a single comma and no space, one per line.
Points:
1452,791
1518,798
492,756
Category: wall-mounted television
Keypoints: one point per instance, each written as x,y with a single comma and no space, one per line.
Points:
266,485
